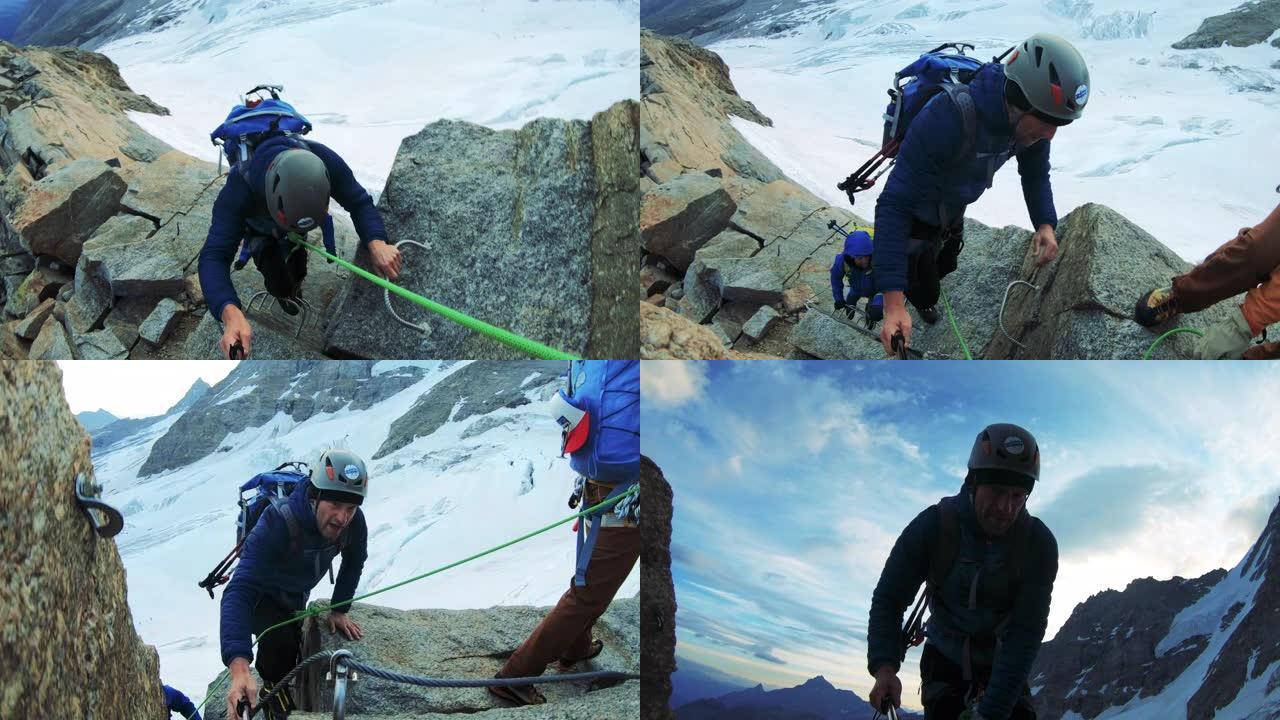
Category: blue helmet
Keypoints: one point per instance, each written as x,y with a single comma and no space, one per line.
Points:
857,244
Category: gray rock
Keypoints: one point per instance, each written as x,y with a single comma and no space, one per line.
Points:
477,389
1085,309
657,594
29,327
680,216
42,283
615,231
62,210
100,345
90,301
721,334
19,264
728,244
824,337
123,254
508,217
459,643
757,280
127,315
486,423
156,328
760,322
52,343
699,297
1248,24
656,276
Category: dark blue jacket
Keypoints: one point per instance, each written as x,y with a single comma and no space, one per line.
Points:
179,703
928,178
267,567
861,283
1023,610
240,200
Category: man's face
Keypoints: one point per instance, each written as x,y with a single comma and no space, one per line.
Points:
333,517
862,262
997,507
1031,130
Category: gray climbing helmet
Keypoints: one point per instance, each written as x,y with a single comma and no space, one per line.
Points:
297,190
1004,454
1052,77
340,476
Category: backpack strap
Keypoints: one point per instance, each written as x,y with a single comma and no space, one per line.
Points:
962,99
946,545
587,538
281,504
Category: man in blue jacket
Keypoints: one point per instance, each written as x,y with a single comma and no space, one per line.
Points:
854,265
940,169
289,550
989,569
176,702
285,190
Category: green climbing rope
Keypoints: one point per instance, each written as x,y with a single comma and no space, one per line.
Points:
1147,355
506,337
323,608
952,318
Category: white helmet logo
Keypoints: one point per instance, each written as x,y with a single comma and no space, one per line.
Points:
1014,445
307,223
1082,95
351,472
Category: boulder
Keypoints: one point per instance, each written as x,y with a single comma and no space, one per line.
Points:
657,594
681,215
52,343
156,327
664,335
63,209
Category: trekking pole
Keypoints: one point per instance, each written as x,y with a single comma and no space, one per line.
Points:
242,709
215,577
886,710
833,225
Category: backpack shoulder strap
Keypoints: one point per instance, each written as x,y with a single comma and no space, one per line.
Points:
295,533
946,545
963,101
1019,548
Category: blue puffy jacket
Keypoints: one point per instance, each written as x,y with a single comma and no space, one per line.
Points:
240,200
861,282
1024,612
927,180
179,703
267,567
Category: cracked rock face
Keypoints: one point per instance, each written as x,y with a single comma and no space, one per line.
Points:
770,258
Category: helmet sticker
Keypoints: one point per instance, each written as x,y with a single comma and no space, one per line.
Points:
351,472
305,223
1014,445
1082,94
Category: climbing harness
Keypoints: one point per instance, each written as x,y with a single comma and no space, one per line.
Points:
505,337
424,327
89,496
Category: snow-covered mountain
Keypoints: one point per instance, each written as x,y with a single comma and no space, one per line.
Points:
1179,141
461,458
1197,649
367,73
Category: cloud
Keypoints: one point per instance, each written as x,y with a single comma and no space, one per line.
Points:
671,383
1106,505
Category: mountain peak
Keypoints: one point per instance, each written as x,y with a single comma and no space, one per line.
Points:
818,682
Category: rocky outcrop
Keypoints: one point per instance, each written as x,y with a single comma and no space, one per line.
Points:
526,230
657,594
477,389
91,23
1176,642
256,391
64,593
461,644
756,249
1248,24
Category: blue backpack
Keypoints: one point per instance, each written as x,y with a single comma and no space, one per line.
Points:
609,390
253,121
930,74
270,488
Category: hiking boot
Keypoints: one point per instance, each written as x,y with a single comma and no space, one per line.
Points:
1155,307
518,694
929,314
278,707
291,306
567,663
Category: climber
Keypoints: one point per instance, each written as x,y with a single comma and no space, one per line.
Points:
1250,264
179,703
607,455
284,191
288,551
947,158
854,265
988,568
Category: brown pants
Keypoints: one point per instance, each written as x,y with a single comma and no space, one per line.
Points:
1240,265
566,631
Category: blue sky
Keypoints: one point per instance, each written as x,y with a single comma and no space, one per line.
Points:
793,479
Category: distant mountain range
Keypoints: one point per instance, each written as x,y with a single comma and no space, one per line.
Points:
816,699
